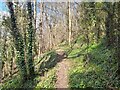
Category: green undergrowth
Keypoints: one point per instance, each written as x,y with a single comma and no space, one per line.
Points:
48,81
39,83
15,84
43,57
45,65
47,62
97,72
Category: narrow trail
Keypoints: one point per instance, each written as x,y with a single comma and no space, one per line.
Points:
62,74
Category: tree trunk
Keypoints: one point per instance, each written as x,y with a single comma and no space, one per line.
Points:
11,61
41,28
30,43
110,26
50,37
4,54
34,34
118,40
69,24
19,45
0,70
0,62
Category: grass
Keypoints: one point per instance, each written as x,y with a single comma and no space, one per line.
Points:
99,72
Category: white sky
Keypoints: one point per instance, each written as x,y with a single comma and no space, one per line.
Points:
65,0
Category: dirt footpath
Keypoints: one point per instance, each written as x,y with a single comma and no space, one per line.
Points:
62,74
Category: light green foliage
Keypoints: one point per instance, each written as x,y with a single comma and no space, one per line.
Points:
46,65
99,72
48,81
93,64
11,84
74,52
46,62
15,84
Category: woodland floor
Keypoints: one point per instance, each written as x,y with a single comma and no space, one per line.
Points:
62,74
70,72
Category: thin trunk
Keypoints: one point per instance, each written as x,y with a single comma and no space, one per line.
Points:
0,70
25,44
110,26
97,32
4,54
41,28
0,62
34,36
11,61
69,24
50,37
49,29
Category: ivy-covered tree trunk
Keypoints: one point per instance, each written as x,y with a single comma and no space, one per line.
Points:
41,28
11,61
0,60
19,45
4,54
0,70
107,25
118,40
110,25
30,43
34,33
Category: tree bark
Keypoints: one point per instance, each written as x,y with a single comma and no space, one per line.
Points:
11,61
30,43
118,39
19,45
34,34
69,24
110,26
41,28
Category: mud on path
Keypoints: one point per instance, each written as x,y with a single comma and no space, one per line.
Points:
62,74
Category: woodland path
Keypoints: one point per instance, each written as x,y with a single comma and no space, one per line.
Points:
62,74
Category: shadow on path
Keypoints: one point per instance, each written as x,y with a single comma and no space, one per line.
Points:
51,61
